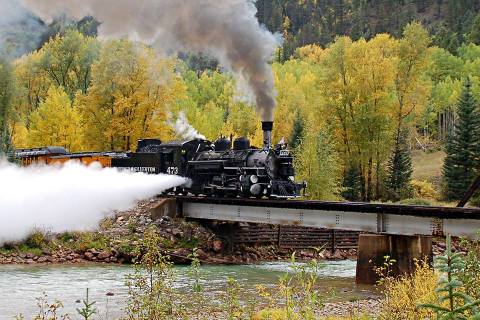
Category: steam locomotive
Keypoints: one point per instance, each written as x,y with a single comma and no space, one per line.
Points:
213,169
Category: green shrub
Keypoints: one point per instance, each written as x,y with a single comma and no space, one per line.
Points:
471,274
66,237
452,301
36,239
89,240
416,202
424,190
402,295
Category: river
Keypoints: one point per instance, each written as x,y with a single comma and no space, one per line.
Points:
21,285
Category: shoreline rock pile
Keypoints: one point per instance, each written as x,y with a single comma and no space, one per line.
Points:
118,237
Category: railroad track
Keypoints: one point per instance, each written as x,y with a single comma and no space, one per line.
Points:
351,216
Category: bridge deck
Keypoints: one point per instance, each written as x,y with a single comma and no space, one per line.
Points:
367,217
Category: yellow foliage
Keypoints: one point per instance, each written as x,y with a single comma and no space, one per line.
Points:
129,98
19,135
403,295
311,53
424,189
56,122
274,314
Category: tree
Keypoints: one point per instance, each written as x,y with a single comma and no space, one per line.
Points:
317,163
474,35
463,147
297,133
56,122
351,184
399,170
131,93
68,60
453,302
6,92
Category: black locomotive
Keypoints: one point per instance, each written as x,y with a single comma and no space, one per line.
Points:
220,170
214,169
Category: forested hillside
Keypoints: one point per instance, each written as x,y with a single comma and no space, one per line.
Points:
360,85
303,22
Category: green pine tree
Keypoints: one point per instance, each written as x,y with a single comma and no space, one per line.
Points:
399,169
463,147
297,133
6,91
352,184
474,35
453,303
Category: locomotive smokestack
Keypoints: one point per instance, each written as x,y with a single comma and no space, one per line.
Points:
267,127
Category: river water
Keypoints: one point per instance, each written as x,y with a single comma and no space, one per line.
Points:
21,285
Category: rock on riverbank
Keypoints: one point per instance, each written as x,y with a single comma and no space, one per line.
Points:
118,237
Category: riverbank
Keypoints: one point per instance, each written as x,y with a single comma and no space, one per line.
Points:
118,237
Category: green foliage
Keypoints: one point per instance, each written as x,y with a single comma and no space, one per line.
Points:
317,163
459,305
6,94
198,299
150,291
297,132
474,35
470,275
37,239
463,147
416,202
399,169
231,300
82,241
88,310
352,184
310,21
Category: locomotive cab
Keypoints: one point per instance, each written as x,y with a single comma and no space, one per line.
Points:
176,155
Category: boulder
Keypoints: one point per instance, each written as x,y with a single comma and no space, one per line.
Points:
88,255
217,245
337,255
103,255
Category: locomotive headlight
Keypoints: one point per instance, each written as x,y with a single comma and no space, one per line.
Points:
253,179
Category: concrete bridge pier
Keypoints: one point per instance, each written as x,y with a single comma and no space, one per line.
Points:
373,248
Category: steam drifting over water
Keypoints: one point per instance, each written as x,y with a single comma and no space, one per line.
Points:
226,29
71,197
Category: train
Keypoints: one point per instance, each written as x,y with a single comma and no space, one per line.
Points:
212,168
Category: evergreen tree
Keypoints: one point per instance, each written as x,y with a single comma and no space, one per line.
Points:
399,169
474,35
463,147
352,184
5,100
297,132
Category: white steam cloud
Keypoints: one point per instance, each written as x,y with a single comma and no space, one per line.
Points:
71,197
226,29
184,129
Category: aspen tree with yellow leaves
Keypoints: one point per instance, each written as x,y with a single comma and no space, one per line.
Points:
129,98
56,122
